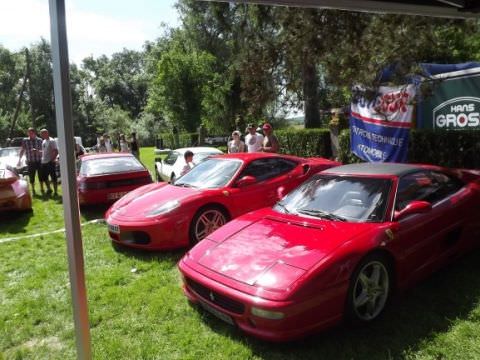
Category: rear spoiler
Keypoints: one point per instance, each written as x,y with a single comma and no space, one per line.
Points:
469,175
7,177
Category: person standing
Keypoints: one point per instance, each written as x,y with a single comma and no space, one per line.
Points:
123,144
236,145
270,141
188,156
32,148
253,140
134,147
108,142
49,157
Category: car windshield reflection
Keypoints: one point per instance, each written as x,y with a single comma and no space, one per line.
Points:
210,174
102,166
339,198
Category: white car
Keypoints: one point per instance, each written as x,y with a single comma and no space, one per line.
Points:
9,157
171,167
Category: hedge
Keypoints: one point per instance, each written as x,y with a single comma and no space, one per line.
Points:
305,142
456,149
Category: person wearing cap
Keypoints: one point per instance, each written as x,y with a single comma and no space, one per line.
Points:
253,140
49,156
270,141
236,145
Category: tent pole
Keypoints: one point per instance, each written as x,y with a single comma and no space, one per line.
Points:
63,111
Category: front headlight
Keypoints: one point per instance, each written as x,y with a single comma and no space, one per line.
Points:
162,208
267,314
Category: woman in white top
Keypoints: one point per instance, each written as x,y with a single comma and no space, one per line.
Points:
236,145
123,144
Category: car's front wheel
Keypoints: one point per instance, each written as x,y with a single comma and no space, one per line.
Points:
370,288
206,221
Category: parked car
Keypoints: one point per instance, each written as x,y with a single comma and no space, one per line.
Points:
335,247
166,216
105,178
171,167
9,157
14,192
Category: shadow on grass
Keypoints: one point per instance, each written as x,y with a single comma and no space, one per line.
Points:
15,222
155,256
411,320
92,212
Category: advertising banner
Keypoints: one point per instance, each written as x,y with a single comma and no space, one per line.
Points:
379,129
454,103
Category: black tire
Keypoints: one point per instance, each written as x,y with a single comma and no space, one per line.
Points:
367,298
199,230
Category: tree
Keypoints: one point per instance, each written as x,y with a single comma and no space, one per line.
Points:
120,81
176,91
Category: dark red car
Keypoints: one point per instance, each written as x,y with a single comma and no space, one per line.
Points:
336,246
105,178
166,216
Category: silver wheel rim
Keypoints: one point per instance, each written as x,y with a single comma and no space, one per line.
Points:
207,222
370,290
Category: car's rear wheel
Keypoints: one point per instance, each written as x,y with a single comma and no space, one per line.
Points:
205,221
370,288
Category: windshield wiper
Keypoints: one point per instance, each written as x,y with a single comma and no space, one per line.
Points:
183,185
321,214
282,205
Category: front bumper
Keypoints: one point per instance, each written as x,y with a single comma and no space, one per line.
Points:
164,234
302,316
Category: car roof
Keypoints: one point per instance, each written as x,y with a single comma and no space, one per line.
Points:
198,149
387,169
257,155
105,155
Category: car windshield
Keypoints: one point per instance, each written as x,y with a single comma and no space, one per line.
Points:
110,165
9,152
210,174
341,198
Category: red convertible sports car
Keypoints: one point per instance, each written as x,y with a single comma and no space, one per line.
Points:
166,216
334,247
105,178
14,193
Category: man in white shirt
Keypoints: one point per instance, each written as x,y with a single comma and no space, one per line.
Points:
49,157
253,140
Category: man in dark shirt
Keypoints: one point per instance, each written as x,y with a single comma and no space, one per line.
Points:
32,148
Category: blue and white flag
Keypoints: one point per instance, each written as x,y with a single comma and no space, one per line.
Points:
379,129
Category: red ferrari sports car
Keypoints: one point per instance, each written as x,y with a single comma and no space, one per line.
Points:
105,178
166,216
14,193
336,246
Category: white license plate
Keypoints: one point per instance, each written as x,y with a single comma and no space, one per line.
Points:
218,314
114,228
116,195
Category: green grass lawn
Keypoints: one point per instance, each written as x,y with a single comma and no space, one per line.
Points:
137,310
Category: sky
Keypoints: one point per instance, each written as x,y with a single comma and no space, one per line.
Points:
94,27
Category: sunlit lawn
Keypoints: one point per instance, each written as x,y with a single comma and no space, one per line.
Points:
137,310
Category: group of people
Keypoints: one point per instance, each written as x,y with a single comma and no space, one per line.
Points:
104,144
41,153
254,140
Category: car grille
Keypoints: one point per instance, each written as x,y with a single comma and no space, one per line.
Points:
222,301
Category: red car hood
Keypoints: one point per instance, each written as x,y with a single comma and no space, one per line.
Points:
135,205
275,250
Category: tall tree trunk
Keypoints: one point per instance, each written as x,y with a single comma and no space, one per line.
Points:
26,76
310,93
